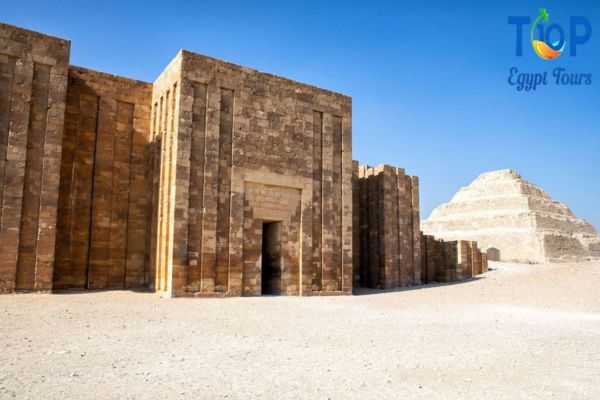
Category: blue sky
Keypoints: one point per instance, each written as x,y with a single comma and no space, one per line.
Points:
428,78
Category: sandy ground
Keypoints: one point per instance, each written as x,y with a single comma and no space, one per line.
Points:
516,332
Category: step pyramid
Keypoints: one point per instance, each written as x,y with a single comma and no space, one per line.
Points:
502,210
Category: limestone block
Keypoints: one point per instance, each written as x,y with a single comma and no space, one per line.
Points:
493,254
33,82
387,228
105,185
238,128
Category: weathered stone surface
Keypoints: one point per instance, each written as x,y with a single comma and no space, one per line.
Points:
216,180
33,85
170,185
493,254
450,261
502,210
104,200
391,251
236,149
386,210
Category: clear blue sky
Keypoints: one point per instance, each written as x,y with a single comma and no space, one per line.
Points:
428,78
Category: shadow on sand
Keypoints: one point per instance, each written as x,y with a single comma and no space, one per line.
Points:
368,291
90,291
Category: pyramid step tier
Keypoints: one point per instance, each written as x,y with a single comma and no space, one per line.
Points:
502,210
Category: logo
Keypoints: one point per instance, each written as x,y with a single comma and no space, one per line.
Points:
547,51
549,41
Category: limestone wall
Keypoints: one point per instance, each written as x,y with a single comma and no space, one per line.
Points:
164,125
188,185
33,86
104,199
493,254
246,148
388,229
450,261
168,185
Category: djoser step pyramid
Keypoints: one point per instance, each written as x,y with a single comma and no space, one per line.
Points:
502,210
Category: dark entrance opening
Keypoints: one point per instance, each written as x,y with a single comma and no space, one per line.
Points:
271,258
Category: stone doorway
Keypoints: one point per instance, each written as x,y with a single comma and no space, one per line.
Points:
271,263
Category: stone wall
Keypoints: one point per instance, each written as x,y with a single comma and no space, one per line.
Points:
450,261
239,148
105,181
388,231
164,123
33,86
493,254
169,185
216,180
390,251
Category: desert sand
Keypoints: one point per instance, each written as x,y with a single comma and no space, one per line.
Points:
516,331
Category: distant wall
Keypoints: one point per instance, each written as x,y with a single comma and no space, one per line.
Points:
449,261
493,254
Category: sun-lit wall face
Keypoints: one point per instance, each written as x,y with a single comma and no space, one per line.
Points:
253,147
33,84
161,184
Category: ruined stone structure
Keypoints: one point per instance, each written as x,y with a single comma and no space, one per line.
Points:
390,251
387,226
502,210
493,254
215,180
450,261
